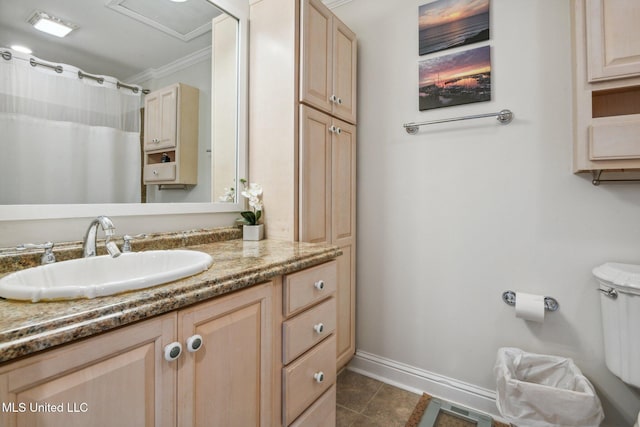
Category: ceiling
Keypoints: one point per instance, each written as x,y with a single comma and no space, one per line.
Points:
107,42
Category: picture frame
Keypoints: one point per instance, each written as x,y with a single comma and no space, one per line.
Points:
454,79
447,24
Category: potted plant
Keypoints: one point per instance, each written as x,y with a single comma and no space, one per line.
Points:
252,229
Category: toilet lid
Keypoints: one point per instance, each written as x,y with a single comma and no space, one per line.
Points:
622,276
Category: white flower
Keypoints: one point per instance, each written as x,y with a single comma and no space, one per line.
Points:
228,196
255,203
253,191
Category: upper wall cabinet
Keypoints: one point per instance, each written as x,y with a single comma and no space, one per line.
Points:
171,135
607,85
328,65
613,39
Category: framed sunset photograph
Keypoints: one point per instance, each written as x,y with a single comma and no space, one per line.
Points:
455,79
445,24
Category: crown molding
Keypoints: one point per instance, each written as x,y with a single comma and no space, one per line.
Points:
331,4
177,65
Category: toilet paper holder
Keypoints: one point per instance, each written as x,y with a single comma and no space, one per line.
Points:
550,304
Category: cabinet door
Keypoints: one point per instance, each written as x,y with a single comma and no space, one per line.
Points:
116,379
316,81
343,183
343,230
344,71
315,176
160,123
227,382
613,39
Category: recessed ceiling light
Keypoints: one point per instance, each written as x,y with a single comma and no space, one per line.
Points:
50,24
22,49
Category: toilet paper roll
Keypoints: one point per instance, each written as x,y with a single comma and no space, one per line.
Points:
530,307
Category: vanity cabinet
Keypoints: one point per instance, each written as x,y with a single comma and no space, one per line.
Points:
228,382
328,62
118,378
121,377
303,146
171,135
309,346
607,85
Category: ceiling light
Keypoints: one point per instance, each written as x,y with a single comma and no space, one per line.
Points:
22,49
50,24
178,1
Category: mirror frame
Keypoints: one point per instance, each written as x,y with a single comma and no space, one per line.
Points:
238,10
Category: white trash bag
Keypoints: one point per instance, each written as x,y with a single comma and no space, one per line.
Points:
536,390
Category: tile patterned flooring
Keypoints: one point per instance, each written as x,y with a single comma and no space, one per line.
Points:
364,401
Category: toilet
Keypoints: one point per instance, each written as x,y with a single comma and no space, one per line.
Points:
620,306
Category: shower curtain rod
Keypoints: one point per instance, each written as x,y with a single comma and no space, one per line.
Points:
59,69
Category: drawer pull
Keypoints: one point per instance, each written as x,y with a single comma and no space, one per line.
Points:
319,377
319,285
172,351
319,328
194,343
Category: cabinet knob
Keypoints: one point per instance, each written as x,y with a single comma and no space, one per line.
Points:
333,98
172,351
319,377
339,101
194,343
319,328
319,285
155,172
335,129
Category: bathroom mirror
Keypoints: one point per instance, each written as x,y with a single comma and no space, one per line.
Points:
223,115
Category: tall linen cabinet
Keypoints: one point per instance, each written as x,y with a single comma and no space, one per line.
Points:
302,146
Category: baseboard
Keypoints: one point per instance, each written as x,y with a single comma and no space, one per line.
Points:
418,381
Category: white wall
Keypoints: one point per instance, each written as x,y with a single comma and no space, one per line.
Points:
450,218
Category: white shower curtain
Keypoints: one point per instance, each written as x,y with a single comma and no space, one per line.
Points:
64,139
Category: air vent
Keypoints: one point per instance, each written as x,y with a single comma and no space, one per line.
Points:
184,21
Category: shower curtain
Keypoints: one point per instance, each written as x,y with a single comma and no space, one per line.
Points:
64,139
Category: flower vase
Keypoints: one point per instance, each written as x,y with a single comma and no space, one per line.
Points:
253,232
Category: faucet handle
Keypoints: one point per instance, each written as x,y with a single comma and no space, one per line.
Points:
47,258
126,247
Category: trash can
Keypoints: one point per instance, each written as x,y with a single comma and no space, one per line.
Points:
537,390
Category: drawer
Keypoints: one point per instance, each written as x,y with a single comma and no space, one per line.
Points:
321,414
304,288
304,380
305,330
160,172
612,138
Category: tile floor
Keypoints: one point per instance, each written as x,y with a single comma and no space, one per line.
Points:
364,401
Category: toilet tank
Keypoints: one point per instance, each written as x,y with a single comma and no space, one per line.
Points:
620,306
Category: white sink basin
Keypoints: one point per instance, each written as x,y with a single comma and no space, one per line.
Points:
102,275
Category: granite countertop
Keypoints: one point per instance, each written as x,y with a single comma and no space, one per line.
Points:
27,327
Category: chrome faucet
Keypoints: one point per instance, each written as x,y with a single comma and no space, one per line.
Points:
47,257
89,244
